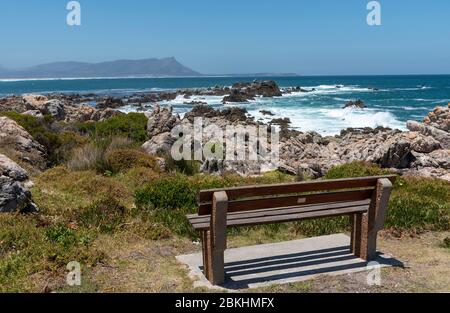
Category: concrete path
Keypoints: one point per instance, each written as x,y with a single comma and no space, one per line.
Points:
285,262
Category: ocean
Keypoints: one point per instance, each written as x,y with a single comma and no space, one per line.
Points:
390,100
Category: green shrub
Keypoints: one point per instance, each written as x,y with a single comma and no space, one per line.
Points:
122,160
167,193
355,169
105,215
419,204
131,125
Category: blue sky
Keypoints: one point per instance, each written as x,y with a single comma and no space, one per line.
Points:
310,37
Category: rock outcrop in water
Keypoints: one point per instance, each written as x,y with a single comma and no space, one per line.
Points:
242,92
359,104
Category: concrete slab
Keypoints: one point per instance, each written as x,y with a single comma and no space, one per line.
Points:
285,262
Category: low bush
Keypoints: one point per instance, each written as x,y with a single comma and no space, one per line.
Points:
131,125
355,169
122,160
167,193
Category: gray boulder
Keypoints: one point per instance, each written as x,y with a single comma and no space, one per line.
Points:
440,135
11,169
159,144
14,197
161,120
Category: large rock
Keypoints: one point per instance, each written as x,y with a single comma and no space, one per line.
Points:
161,143
358,104
161,120
16,139
439,118
54,108
238,96
442,136
14,197
12,169
242,92
87,113
425,144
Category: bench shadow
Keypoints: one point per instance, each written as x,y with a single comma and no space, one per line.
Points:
242,274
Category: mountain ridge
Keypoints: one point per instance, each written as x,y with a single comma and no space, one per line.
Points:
118,68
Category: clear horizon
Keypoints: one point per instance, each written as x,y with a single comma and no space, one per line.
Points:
309,38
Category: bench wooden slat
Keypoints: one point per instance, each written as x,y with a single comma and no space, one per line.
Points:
195,218
266,190
288,217
277,202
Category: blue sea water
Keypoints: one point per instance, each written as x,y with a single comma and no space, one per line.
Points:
390,100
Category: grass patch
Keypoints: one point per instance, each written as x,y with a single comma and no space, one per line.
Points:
29,249
105,215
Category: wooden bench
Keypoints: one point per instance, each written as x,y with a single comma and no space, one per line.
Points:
364,200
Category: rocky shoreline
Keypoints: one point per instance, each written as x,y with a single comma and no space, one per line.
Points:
423,150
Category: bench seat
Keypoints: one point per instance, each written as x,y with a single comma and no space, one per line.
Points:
284,214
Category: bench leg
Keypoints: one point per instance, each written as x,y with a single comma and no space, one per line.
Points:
206,261
355,242
368,239
217,239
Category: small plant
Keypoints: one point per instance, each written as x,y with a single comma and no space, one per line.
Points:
446,243
62,235
105,215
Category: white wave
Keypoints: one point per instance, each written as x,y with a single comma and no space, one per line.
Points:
181,100
331,120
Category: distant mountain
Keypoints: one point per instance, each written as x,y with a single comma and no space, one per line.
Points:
121,68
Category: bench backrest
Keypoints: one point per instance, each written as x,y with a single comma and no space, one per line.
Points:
250,198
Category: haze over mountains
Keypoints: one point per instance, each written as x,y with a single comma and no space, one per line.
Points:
152,67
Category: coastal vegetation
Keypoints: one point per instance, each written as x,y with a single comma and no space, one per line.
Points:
102,192
79,208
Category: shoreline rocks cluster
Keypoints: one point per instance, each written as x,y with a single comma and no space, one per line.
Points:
60,109
423,150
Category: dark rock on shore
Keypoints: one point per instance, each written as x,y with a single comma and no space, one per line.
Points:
242,92
355,104
266,112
